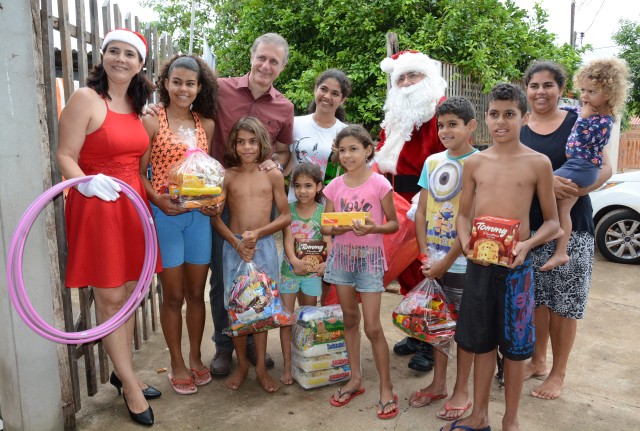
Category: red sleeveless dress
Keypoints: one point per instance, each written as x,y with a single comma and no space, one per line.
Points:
105,239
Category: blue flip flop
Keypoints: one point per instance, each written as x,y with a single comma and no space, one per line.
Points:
454,426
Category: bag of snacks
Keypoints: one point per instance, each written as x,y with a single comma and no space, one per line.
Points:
253,303
426,314
197,178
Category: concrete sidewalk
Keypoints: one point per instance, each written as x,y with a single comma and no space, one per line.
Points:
601,388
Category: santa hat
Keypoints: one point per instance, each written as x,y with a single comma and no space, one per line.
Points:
409,61
131,37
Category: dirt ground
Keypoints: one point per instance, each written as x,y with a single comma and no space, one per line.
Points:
600,394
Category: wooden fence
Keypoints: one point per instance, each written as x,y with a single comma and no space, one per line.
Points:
460,84
73,65
629,152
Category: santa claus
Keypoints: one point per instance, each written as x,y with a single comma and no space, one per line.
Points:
409,135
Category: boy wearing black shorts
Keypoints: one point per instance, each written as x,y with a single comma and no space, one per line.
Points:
497,302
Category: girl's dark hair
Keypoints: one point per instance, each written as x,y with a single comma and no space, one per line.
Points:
206,102
559,75
345,89
312,171
251,125
357,132
139,91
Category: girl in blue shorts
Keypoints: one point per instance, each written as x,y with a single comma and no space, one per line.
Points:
296,275
189,92
357,262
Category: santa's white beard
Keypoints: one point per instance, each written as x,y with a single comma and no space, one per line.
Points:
406,108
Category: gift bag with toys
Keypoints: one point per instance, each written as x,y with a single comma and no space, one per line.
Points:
253,303
426,314
197,178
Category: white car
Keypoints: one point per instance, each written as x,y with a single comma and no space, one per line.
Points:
616,214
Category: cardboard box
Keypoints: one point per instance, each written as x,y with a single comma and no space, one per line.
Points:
343,218
492,239
311,251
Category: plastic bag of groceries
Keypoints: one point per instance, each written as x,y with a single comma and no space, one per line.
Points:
197,178
425,313
253,303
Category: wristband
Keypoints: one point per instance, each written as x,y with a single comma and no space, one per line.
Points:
238,246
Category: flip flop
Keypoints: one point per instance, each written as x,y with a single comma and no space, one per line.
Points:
454,426
431,398
391,414
201,378
189,383
352,394
448,408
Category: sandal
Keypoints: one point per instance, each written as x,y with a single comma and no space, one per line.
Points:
183,386
201,378
352,394
390,414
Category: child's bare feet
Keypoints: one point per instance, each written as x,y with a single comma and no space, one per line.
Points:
455,407
426,396
531,370
353,388
237,378
286,378
550,389
558,259
266,381
469,423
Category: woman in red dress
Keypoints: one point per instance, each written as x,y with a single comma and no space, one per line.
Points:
101,133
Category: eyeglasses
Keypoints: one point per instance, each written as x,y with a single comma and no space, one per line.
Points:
411,77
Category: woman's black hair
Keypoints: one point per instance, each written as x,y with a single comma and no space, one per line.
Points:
139,91
345,89
206,102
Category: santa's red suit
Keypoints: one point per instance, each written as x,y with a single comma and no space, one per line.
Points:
403,170
423,143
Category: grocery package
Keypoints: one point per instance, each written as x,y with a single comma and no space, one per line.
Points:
197,178
253,303
319,378
312,252
318,349
492,240
426,314
322,362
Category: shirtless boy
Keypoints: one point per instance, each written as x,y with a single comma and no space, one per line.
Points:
497,302
251,193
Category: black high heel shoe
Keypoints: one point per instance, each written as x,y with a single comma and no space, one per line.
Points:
145,418
149,393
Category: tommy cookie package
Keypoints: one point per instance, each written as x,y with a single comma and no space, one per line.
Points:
493,238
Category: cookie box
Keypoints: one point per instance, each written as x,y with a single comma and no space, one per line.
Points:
492,240
343,218
312,252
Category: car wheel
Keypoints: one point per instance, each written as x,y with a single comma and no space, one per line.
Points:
618,236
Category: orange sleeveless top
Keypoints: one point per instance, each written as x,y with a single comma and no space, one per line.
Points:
167,149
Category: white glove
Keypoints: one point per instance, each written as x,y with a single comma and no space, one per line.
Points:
102,187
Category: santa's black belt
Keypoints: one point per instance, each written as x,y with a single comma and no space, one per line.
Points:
404,183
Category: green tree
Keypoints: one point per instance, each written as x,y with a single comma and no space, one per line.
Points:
628,37
491,40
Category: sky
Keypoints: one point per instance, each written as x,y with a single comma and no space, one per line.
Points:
597,19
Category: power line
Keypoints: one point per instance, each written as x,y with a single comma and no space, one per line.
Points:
594,18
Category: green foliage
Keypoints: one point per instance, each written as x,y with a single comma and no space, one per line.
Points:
628,36
491,40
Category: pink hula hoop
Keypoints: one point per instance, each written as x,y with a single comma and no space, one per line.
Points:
18,294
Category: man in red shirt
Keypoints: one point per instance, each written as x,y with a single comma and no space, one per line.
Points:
409,135
250,95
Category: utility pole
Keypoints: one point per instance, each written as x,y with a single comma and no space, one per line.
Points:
572,36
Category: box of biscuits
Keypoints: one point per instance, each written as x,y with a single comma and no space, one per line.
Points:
311,251
343,218
492,239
